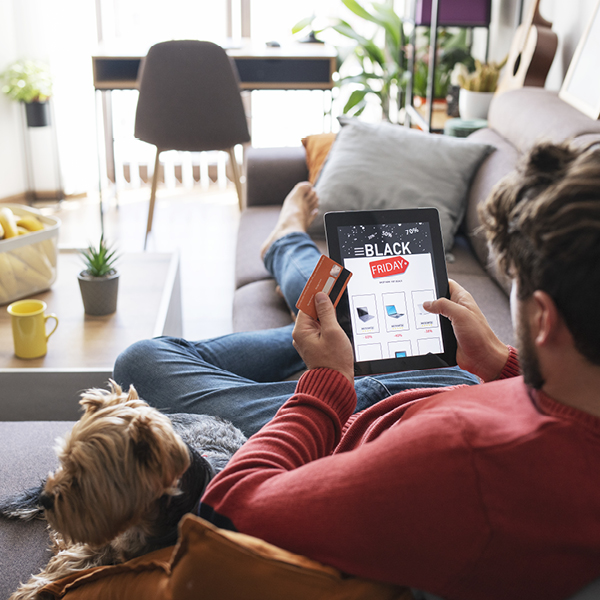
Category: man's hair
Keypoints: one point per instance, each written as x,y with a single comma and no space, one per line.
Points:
543,226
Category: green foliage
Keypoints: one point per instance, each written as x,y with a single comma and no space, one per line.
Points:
99,261
27,81
381,66
452,48
483,79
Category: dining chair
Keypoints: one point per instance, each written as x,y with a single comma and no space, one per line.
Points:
189,100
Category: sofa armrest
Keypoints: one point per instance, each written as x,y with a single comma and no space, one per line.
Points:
272,172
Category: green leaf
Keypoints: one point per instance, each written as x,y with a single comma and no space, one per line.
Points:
346,30
359,10
355,97
303,24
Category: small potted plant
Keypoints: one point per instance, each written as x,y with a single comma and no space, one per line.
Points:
99,281
477,89
29,81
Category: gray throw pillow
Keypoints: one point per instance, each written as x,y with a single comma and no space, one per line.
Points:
377,166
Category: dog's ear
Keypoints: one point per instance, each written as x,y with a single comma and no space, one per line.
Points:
142,438
132,394
157,448
93,400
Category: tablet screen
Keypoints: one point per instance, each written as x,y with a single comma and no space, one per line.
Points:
395,268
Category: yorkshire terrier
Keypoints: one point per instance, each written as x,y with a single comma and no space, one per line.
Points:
127,475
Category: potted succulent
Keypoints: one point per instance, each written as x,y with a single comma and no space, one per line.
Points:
29,81
99,281
477,89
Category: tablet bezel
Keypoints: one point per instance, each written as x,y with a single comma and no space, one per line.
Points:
333,220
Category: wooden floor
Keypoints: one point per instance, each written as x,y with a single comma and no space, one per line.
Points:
200,224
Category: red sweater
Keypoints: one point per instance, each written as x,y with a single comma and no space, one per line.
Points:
484,492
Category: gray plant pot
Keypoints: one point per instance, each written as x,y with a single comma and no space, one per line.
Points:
37,113
99,294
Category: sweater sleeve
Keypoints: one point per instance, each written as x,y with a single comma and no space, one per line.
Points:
511,368
388,510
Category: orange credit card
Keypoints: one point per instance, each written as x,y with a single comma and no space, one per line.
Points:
328,277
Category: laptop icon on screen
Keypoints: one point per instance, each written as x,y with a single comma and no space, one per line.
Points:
391,311
363,313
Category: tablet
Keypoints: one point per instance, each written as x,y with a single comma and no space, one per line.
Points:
397,262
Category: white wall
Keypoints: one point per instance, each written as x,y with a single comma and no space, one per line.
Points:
61,33
12,173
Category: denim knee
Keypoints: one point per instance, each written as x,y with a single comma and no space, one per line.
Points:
135,362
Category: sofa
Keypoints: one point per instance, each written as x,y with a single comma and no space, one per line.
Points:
517,120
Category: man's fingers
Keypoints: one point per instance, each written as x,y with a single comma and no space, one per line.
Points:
325,310
443,307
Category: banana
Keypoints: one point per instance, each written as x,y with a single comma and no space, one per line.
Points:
22,230
28,279
8,222
1,232
7,276
30,223
35,258
4,297
50,249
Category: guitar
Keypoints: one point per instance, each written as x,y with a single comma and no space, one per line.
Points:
531,53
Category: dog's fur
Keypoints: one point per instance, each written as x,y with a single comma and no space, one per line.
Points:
127,475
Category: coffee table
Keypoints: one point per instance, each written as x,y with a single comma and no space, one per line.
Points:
82,350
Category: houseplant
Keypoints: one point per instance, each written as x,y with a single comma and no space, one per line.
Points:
376,63
477,89
99,281
29,81
452,49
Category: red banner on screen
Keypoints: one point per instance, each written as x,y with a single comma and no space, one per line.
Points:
389,266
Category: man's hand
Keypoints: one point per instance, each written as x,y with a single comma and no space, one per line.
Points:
323,343
479,350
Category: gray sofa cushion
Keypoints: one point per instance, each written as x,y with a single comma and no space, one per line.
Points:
26,456
529,115
384,166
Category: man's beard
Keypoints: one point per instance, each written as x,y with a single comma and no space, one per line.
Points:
528,360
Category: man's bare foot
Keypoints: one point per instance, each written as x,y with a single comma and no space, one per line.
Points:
297,213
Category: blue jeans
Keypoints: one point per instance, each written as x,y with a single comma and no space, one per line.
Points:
240,376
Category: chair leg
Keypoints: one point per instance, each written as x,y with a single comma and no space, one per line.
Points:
236,175
152,196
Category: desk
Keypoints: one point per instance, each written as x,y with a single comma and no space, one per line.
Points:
289,67
83,349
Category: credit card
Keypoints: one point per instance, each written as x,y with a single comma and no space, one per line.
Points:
328,277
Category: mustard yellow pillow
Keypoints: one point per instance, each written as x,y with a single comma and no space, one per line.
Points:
317,148
144,577
224,565
209,563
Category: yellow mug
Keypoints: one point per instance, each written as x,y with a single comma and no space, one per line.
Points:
29,327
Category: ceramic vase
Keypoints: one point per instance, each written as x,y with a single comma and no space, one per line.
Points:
474,105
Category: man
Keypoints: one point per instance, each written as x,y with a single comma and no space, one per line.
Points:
475,493
482,492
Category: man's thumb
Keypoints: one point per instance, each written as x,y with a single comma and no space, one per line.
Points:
324,308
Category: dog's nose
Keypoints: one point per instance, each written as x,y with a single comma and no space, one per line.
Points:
46,500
